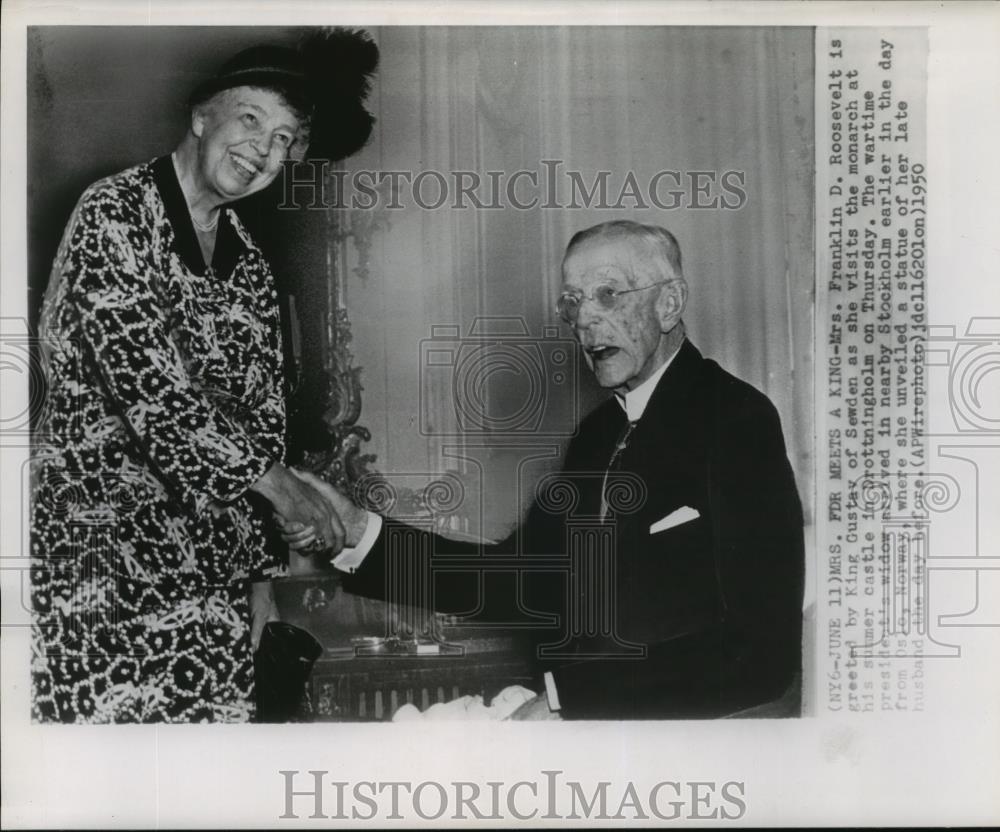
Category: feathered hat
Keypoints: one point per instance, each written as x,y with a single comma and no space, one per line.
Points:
326,78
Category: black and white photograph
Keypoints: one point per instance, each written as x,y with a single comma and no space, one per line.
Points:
379,380
541,331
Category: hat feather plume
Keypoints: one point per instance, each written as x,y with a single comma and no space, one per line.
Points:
340,64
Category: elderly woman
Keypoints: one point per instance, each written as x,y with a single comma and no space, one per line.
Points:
163,431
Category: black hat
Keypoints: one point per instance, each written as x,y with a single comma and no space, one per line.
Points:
326,79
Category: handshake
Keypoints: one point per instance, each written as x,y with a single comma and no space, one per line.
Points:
312,515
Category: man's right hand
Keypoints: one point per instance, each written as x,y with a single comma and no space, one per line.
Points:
300,503
353,519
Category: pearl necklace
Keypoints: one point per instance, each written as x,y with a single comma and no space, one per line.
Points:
203,228
211,226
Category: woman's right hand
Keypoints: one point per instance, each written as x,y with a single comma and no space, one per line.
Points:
299,503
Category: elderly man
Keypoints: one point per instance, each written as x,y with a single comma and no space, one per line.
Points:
684,600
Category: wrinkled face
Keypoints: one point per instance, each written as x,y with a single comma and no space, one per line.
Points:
244,134
624,345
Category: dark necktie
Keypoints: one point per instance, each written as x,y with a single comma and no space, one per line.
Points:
614,465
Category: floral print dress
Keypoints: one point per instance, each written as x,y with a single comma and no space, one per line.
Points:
163,406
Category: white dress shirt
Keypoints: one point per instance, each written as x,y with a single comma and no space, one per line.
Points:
634,402
350,558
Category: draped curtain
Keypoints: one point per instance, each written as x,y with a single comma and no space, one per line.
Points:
621,100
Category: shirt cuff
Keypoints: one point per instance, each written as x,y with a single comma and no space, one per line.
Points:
350,559
551,693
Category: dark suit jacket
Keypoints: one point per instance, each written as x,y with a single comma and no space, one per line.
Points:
707,614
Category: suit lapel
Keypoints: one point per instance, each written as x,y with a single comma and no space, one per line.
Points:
672,397
663,448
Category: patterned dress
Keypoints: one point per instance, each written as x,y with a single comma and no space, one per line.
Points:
164,404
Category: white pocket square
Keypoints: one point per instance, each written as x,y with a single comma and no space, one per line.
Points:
675,518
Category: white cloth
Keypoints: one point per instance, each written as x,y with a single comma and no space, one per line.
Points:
469,708
551,692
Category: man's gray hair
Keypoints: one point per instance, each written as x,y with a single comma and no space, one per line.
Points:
657,239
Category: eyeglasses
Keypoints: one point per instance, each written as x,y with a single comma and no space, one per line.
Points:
569,303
